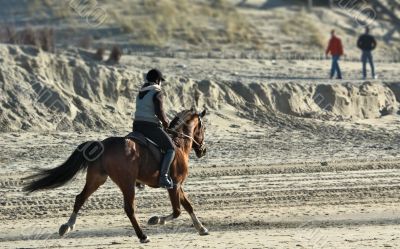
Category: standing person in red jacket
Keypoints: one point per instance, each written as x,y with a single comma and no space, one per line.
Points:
335,48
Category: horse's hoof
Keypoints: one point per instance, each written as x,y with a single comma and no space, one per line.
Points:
162,222
145,239
154,220
140,186
203,231
65,228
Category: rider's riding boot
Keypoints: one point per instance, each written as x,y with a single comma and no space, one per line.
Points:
165,180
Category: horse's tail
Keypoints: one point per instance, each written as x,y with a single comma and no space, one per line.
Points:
56,177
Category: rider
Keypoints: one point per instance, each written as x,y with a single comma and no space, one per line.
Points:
150,119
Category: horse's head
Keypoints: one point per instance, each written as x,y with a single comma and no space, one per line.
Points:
199,135
189,126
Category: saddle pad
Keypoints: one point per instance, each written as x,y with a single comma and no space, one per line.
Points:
144,141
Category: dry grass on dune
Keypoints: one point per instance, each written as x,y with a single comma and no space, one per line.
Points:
154,22
300,26
39,37
56,9
158,22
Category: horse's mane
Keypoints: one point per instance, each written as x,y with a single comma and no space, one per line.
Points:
180,119
178,123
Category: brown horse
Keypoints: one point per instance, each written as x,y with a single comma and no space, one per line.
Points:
127,163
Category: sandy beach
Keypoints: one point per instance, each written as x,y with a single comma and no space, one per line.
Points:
294,159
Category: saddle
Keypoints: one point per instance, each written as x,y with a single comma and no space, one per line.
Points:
148,143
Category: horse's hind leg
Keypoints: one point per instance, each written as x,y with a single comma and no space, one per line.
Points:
176,209
188,207
128,189
94,179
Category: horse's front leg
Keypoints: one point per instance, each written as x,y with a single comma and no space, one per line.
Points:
176,210
202,230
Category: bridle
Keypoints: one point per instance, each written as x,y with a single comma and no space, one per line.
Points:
182,135
200,146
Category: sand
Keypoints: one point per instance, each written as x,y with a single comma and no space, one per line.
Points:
294,160
338,187
282,170
323,194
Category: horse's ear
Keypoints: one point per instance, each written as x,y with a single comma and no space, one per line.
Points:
203,113
193,110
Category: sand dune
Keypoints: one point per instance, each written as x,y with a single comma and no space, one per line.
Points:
70,91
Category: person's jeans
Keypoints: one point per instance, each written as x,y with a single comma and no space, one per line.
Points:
367,57
335,67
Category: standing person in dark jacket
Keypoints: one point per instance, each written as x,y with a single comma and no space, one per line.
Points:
150,119
335,48
367,43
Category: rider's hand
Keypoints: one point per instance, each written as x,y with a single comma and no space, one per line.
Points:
166,124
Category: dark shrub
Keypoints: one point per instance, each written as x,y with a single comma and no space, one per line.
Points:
115,55
98,56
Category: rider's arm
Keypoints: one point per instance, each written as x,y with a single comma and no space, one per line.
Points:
159,109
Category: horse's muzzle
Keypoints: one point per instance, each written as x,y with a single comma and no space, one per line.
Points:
202,152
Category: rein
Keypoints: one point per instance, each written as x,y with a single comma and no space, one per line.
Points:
180,134
178,122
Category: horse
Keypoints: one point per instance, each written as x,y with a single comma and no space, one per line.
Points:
128,163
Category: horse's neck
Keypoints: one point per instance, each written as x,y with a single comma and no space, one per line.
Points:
181,165
186,143
182,156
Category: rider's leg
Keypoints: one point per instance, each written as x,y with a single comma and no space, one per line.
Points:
165,142
165,180
158,135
